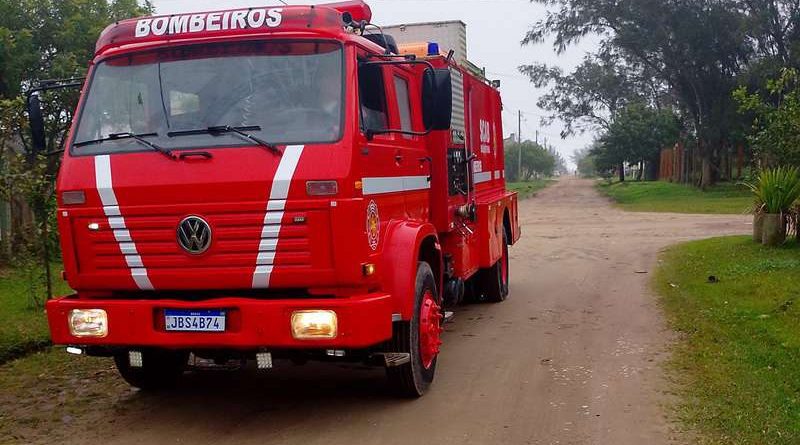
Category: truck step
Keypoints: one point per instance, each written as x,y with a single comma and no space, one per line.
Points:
391,359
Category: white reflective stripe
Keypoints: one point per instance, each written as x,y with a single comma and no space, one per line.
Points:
496,174
261,275
277,205
392,184
111,210
274,215
141,279
102,173
268,245
134,261
270,231
285,173
116,222
482,177
273,218
265,258
122,236
105,188
128,248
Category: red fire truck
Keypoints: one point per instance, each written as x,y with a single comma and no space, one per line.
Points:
277,182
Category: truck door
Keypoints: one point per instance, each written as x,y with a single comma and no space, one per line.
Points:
393,168
382,159
414,159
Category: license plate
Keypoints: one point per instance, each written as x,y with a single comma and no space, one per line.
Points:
194,321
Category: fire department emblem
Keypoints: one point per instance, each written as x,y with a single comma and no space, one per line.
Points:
373,225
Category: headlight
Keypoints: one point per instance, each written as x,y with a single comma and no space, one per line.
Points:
88,323
314,325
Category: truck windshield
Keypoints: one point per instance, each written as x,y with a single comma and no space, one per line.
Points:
291,91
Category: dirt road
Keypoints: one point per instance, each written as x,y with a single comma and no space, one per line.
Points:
573,357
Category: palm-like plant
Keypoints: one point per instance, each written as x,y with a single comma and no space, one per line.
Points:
776,196
777,190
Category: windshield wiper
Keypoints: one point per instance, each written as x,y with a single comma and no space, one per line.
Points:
128,135
241,131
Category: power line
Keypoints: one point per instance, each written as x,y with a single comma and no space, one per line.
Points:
518,75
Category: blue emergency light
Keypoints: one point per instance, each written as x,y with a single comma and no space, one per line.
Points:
433,49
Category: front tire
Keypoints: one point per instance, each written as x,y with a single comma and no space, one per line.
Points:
161,369
421,338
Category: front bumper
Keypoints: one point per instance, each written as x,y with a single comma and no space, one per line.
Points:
363,321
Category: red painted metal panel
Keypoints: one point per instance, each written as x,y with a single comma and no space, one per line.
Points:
363,321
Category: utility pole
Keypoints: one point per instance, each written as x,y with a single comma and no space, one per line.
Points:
537,137
519,139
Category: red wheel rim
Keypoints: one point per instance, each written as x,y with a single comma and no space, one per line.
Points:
430,329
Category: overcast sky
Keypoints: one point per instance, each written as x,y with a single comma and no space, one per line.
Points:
494,30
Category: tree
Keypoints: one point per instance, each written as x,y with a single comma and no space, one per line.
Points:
536,161
696,48
590,97
776,125
585,99
585,162
44,39
638,134
560,165
774,26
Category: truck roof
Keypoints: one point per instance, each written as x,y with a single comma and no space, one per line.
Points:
324,18
434,23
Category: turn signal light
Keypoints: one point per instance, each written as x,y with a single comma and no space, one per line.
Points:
322,188
314,325
88,323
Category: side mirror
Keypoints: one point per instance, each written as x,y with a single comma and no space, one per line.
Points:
36,121
437,99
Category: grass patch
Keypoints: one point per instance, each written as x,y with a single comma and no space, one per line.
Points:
53,397
23,325
530,188
737,363
659,196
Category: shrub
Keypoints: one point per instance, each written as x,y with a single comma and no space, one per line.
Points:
776,190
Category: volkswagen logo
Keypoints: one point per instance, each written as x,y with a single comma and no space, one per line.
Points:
194,235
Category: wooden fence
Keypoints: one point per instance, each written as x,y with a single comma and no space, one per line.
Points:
684,165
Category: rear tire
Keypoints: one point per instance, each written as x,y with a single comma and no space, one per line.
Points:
161,369
420,337
496,277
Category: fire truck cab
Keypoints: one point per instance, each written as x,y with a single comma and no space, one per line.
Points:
277,182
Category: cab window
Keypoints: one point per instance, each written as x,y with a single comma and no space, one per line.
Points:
373,98
403,103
